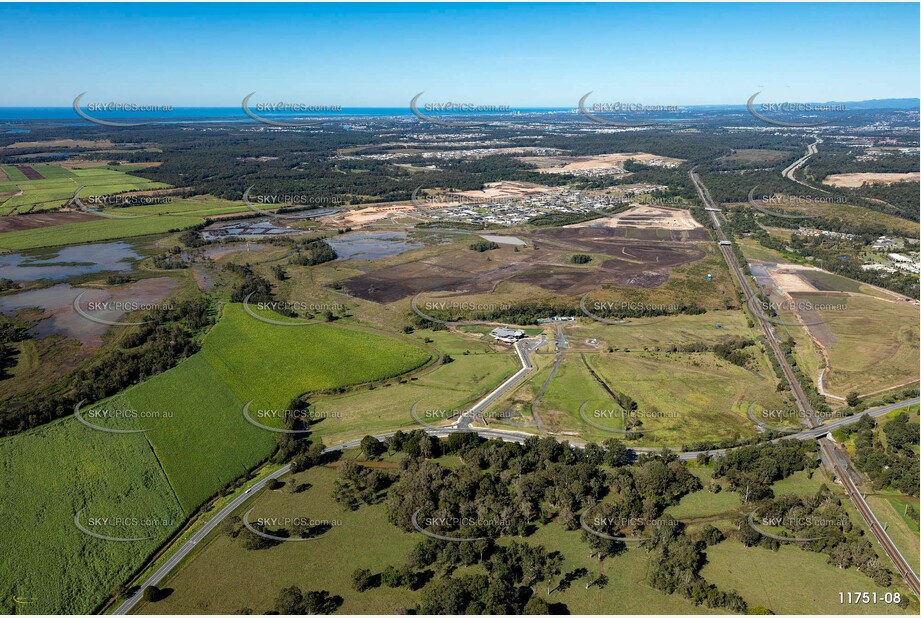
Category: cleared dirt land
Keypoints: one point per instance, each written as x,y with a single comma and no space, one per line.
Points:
565,165
620,262
857,179
30,222
645,217
506,190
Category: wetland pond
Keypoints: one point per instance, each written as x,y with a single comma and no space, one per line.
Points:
66,262
371,245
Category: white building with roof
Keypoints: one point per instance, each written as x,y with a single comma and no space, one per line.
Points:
506,335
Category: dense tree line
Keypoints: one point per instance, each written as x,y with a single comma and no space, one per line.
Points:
840,258
893,463
295,602
823,519
903,196
10,334
675,563
816,399
484,245
249,283
167,336
313,252
751,470
733,351
508,489
557,219
838,255
171,260
833,159
530,312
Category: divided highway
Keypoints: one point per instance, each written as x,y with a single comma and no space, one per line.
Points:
789,172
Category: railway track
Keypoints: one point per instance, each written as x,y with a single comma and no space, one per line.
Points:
802,402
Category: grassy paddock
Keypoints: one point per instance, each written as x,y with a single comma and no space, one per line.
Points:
51,473
207,443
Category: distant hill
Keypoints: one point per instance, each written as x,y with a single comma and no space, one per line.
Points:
851,105
880,104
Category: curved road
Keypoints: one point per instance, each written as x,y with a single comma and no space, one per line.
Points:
789,172
523,349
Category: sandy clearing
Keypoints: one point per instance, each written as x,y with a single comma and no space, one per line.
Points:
504,190
857,179
646,216
562,165
791,282
370,214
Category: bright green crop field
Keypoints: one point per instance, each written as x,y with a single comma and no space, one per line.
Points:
60,184
48,475
198,442
207,443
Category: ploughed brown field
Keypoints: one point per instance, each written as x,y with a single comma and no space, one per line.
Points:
32,221
631,263
29,172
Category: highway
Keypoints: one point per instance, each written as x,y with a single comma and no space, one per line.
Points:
802,402
788,173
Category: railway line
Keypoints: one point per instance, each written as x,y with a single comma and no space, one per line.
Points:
802,402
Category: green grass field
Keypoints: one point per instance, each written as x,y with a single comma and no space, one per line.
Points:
60,184
696,396
207,442
774,579
571,386
449,387
13,173
248,579
365,539
790,581
711,327
48,475
93,231
198,442
903,530
704,504
152,219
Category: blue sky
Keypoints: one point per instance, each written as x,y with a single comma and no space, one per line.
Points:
504,54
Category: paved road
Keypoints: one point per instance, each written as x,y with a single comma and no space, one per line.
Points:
164,570
828,447
789,172
832,425
157,577
523,349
